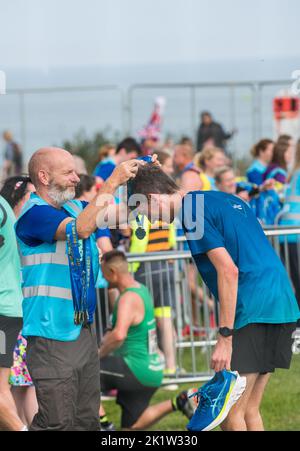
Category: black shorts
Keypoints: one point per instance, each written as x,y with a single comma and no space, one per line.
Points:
9,330
160,281
261,348
133,397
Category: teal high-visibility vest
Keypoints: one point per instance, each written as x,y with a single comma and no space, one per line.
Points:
48,310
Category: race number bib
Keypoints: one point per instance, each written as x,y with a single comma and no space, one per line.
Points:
152,342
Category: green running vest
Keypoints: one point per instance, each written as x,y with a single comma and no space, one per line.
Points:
139,349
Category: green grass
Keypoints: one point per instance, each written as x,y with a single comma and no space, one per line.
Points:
280,407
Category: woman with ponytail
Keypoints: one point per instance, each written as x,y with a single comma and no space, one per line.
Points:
263,154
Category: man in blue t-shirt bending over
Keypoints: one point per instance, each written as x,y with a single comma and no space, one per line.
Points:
258,309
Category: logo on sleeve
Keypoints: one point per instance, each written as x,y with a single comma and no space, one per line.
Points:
238,206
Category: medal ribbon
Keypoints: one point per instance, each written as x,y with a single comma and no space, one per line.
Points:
80,264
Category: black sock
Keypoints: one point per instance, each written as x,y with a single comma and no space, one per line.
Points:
181,400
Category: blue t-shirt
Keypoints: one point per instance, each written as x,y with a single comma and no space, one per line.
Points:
39,225
265,294
46,220
104,169
255,173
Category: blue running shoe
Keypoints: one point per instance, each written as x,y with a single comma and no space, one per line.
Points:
216,398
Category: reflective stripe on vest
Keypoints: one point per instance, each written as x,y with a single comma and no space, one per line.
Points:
59,257
48,291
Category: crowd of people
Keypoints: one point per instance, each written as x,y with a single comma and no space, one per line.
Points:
49,375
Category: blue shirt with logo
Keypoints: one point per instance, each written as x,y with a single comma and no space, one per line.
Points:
265,294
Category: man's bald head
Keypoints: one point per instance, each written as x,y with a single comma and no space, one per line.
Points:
53,172
47,159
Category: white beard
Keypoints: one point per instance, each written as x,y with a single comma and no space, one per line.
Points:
60,196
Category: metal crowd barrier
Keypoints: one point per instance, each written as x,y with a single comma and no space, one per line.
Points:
195,314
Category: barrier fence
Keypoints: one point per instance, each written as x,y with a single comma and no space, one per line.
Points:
55,114
173,278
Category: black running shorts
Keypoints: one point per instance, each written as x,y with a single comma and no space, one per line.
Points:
261,348
133,397
9,331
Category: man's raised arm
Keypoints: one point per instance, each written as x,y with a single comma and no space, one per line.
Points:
86,221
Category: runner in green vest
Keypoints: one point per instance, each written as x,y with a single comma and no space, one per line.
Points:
130,362
139,350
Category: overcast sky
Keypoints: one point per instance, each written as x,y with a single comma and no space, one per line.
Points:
49,33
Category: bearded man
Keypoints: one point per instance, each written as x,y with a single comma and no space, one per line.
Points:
60,266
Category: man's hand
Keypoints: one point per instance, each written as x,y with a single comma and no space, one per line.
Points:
125,171
221,358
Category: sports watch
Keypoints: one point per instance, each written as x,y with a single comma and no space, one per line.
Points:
226,332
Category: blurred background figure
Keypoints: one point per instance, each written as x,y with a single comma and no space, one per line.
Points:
262,153
16,191
127,149
209,160
166,161
186,140
188,172
210,133
226,180
86,190
13,156
290,216
283,156
151,134
105,156
106,152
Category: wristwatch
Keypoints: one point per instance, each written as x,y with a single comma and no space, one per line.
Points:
226,332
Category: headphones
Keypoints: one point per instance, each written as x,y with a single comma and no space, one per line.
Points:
2,239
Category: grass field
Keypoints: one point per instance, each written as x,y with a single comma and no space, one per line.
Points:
280,409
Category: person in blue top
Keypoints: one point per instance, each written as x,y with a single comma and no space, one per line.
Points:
262,153
258,309
278,168
60,264
290,217
126,150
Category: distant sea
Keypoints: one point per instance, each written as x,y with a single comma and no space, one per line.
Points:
47,118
